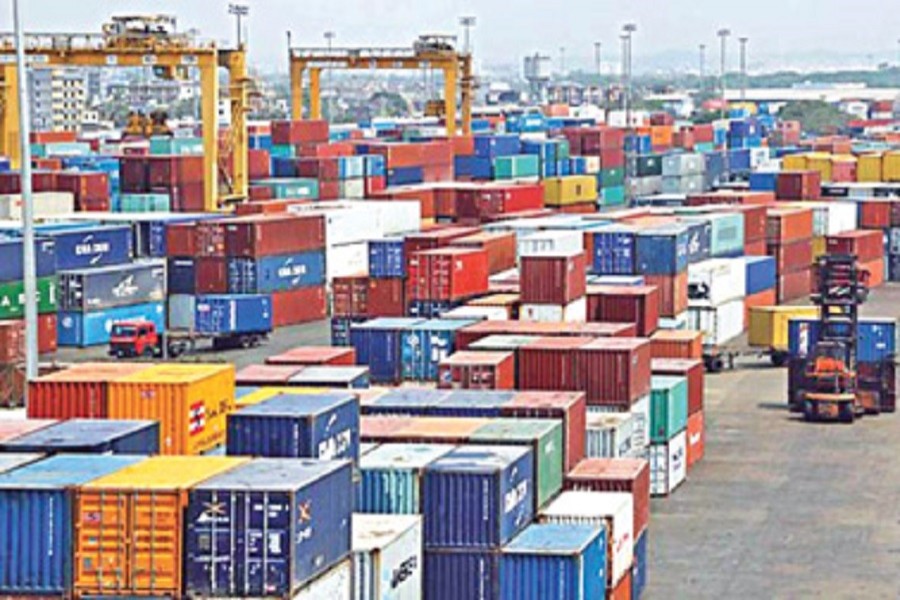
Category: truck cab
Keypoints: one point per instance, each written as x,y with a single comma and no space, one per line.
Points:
134,338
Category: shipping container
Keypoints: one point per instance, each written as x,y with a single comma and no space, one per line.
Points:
233,314
612,510
467,336
876,338
610,435
719,324
89,436
276,273
453,574
672,343
692,370
636,304
113,286
93,328
639,574
387,557
426,344
662,250
631,475
129,526
668,407
613,250
555,562
314,355
378,344
97,246
716,281
569,407
573,312
769,324
478,497
77,392
267,527
668,465
478,370
391,477
36,504
268,235
324,426
761,274
696,439
673,293
266,375
552,279
613,371
190,401
332,376
447,274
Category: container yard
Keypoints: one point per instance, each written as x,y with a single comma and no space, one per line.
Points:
580,341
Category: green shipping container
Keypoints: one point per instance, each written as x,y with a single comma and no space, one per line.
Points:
668,407
143,203
612,196
563,150
544,437
12,297
292,187
515,167
704,147
281,151
648,165
170,145
611,178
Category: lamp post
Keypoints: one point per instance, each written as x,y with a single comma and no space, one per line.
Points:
468,23
702,65
627,32
743,41
723,38
239,11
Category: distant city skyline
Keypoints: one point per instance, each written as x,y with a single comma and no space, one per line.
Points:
783,34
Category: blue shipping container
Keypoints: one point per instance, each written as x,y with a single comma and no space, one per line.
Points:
474,167
36,531
425,345
405,175
276,273
478,497
230,314
492,146
405,401
462,575
613,250
876,338
89,436
267,527
386,258
473,403
378,344
699,241
182,275
739,160
323,426
639,569
556,562
340,329
90,329
92,247
108,287
761,274
11,268
661,250
763,181
391,477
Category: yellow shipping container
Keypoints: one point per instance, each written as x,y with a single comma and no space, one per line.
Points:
820,162
574,189
868,168
890,170
190,401
794,162
818,247
128,526
769,324
264,393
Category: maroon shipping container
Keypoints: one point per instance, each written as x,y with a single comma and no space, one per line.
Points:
315,355
297,132
302,305
794,285
499,245
793,256
260,192
88,188
386,297
350,296
436,238
549,364
211,273
323,169
171,171
478,371
799,185
188,197
755,248
447,274
254,375
556,279
691,369
625,304
879,213
12,341
47,342
569,407
210,238
673,292
479,202
473,333
41,181
612,158
613,371
631,475
134,174
267,235
866,245
259,164
181,239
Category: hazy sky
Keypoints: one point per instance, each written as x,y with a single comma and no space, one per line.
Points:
507,30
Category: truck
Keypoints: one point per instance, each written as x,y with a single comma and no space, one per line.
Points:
141,339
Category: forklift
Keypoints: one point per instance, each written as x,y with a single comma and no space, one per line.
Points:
831,391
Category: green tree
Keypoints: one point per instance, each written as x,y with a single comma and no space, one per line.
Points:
815,116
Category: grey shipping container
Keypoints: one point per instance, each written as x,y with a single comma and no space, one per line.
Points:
87,290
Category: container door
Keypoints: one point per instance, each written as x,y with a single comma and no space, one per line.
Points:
156,543
101,542
211,567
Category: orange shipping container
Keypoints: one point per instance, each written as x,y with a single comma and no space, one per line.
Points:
673,297
789,224
696,439
875,268
128,526
763,298
79,392
190,401
676,344
661,136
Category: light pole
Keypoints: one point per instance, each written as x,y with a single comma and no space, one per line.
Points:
562,61
468,23
627,31
28,258
598,48
329,38
743,41
702,65
723,38
239,11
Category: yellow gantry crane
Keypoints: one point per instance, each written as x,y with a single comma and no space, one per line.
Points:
428,52
145,41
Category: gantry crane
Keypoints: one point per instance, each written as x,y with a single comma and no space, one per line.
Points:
429,51
145,41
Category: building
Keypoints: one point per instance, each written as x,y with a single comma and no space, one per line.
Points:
58,98
153,92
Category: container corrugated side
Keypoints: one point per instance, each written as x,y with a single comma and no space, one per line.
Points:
387,557
128,526
668,407
458,574
79,391
190,402
336,584
391,477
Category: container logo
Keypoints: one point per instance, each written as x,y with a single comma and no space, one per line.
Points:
213,512
515,496
404,571
89,247
304,521
125,288
197,418
336,446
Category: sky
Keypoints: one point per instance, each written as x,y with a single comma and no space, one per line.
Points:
781,32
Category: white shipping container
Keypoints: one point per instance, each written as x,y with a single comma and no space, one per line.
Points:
334,584
387,557
549,243
719,324
668,465
181,311
832,218
591,164
717,280
614,509
758,157
686,184
679,165
640,426
483,313
646,186
360,220
353,188
46,205
677,322
609,435
346,259
573,312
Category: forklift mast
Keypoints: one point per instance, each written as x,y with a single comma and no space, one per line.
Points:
840,293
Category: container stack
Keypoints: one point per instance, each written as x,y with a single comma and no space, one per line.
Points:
162,183
12,307
716,305
441,279
683,173
605,145
553,287
789,235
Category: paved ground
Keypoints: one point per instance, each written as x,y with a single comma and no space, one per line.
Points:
780,508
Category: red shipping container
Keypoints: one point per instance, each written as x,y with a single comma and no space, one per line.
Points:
375,185
261,192
730,198
350,296
439,152
676,344
799,185
79,392
12,341
436,238
691,369
87,188
262,375
614,371
181,239
499,245
210,237
876,213
794,285
696,439
556,279
174,171
259,164
423,194
476,331
568,407
386,297
754,220
843,171
581,208
211,273
763,298
52,137
265,235
612,158
315,355
265,207
625,304
875,270
447,274
866,245
789,225
400,154
630,475
673,296
549,364
134,174
757,248
478,371
184,198
792,256
302,305
296,132
704,134
323,169
47,164
329,190
47,342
